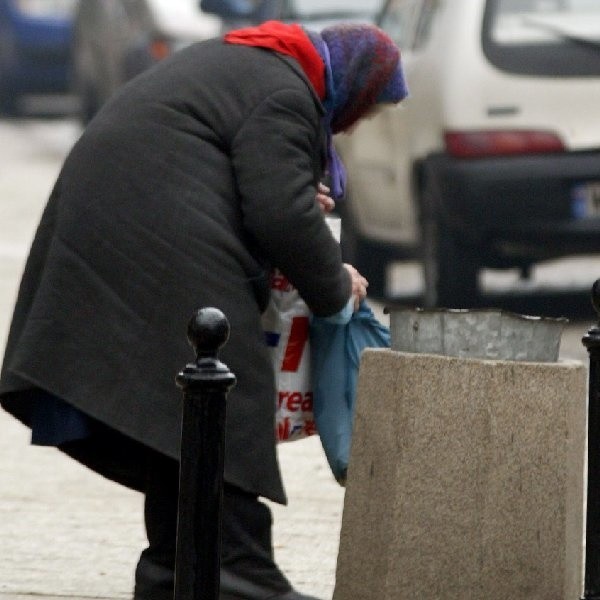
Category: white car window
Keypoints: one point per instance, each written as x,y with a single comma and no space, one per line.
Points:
554,38
545,21
400,21
423,24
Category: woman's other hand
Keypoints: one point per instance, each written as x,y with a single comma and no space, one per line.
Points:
326,202
359,285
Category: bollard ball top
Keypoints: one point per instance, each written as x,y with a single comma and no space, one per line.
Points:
208,330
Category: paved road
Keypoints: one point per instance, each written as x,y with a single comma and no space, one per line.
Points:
66,533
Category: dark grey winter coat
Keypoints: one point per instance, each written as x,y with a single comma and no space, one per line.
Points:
196,179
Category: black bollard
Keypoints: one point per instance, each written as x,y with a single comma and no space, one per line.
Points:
205,385
592,535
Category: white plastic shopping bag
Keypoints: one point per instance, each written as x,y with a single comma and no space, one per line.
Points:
286,325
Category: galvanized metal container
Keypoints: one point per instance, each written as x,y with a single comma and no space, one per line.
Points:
485,334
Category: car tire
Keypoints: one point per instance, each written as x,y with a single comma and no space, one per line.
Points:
450,266
9,101
9,104
367,258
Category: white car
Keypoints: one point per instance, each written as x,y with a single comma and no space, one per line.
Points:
494,159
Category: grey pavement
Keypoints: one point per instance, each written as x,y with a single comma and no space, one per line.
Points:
67,533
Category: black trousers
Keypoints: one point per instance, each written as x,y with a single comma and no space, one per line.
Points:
248,570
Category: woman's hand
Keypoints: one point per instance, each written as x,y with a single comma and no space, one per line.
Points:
326,202
359,285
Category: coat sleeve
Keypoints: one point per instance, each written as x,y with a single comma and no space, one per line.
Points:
275,157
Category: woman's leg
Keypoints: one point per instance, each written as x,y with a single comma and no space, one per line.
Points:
248,569
155,571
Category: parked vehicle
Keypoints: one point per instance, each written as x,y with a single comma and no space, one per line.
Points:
314,14
494,159
114,40
35,41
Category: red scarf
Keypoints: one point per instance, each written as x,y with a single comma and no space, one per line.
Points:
286,39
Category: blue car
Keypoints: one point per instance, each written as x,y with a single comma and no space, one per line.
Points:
35,49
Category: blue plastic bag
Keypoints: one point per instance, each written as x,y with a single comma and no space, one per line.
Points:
335,358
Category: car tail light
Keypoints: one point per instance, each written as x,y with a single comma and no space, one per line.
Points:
479,144
159,49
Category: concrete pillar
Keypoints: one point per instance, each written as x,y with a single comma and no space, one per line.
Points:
465,480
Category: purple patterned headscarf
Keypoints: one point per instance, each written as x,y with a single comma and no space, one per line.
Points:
362,69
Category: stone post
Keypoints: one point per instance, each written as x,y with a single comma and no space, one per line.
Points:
465,480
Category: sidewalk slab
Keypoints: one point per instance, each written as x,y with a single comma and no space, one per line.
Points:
65,529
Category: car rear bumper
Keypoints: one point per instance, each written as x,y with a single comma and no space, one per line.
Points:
531,202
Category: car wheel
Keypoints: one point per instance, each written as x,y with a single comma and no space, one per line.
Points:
370,260
9,99
450,266
9,104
